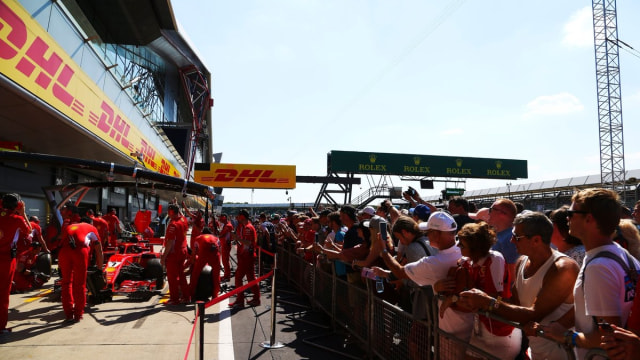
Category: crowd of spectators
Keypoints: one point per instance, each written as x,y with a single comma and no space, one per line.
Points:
566,277
543,271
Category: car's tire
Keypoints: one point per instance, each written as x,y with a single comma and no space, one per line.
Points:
204,289
43,263
153,270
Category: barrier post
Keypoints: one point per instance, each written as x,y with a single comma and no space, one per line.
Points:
200,332
272,344
259,261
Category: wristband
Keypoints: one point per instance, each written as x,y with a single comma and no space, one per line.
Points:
570,338
492,305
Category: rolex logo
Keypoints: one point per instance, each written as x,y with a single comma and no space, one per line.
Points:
416,160
498,164
459,162
373,157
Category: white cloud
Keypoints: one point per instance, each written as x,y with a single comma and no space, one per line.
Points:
559,104
578,31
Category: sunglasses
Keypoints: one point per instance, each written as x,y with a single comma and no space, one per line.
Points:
570,213
492,209
518,237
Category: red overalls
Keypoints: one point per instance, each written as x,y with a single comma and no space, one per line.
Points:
225,245
175,263
246,260
12,227
73,261
207,248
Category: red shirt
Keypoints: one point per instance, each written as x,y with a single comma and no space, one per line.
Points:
12,228
102,226
307,240
83,233
488,278
203,244
198,225
113,222
176,232
247,232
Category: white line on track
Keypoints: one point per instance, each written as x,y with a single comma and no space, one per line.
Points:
225,337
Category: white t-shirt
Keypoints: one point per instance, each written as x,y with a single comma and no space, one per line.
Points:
430,269
603,292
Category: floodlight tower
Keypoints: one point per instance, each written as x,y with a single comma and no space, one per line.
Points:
605,31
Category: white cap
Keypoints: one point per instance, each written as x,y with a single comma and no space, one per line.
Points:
368,210
440,221
482,214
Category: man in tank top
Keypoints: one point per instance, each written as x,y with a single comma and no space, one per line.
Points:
543,286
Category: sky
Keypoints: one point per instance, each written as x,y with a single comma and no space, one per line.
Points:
293,80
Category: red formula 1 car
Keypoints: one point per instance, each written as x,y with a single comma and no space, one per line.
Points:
134,270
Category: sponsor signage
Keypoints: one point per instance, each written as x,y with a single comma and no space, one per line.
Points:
10,146
454,191
425,165
31,57
246,176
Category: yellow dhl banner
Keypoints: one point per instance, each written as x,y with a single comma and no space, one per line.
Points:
32,58
246,176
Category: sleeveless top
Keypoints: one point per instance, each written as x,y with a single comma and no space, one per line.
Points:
528,289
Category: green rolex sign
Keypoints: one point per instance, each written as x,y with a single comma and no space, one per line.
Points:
454,192
425,165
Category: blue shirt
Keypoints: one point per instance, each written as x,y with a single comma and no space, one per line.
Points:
341,268
506,247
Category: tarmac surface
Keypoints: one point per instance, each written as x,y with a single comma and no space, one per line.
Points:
127,329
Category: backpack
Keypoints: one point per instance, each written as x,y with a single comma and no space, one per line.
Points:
631,273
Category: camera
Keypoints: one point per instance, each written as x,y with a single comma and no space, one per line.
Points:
411,191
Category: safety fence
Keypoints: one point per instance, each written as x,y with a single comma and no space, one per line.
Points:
383,330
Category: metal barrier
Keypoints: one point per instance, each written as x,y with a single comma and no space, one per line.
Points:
383,330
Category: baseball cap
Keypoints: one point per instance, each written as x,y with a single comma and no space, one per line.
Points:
374,223
422,212
369,210
440,221
275,217
482,214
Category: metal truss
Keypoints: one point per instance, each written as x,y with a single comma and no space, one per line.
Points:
196,87
605,30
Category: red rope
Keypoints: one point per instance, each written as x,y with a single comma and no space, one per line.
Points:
236,291
193,330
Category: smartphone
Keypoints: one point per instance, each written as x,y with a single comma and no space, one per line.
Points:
411,191
368,273
383,230
317,238
605,326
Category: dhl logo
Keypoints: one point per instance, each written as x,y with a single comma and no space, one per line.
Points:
250,176
247,176
44,71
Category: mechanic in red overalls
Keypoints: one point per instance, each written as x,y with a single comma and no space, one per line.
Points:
13,226
77,240
197,223
206,250
102,225
247,242
225,245
24,278
174,257
37,233
114,226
